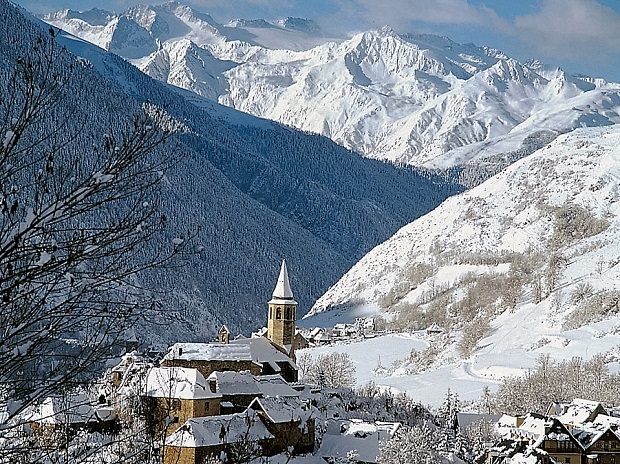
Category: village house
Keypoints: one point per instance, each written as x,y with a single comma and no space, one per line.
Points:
58,418
173,395
577,412
543,436
237,389
235,435
290,420
601,444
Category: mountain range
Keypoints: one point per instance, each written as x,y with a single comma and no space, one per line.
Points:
250,191
406,98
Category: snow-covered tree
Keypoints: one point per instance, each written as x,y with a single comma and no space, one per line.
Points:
420,444
329,370
446,414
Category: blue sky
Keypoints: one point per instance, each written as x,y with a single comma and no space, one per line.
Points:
582,36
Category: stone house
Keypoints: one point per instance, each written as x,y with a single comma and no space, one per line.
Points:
210,357
173,395
290,420
237,389
236,435
259,356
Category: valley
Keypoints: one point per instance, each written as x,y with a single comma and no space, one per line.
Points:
448,216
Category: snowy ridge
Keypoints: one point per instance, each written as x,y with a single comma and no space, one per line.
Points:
552,219
412,99
505,214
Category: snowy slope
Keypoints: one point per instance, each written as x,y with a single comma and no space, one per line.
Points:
549,226
413,99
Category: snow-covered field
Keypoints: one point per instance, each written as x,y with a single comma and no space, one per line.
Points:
499,356
428,387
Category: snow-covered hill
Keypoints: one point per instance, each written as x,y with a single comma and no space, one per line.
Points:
526,263
416,99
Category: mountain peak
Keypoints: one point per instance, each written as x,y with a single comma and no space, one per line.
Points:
300,24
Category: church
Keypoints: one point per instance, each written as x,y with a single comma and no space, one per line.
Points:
273,354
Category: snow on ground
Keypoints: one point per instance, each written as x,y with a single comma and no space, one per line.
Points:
500,355
427,388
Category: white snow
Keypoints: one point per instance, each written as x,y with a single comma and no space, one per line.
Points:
502,215
414,99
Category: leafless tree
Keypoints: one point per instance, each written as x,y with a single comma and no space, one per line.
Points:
73,232
331,370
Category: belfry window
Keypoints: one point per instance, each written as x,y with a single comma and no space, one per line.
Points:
278,313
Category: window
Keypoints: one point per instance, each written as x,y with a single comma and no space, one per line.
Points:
287,313
278,313
206,407
567,460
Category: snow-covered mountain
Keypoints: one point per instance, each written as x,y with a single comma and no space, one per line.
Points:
413,99
527,263
250,191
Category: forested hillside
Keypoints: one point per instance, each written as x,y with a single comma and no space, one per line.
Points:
247,191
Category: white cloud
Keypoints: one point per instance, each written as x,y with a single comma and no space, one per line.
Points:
571,29
400,13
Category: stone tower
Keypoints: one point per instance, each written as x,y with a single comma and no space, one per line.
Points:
282,314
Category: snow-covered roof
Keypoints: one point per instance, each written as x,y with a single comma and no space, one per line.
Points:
579,411
282,293
283,410
209,352
587,436
590,432
235,383
263,351
258,350
536,428
214,430
178,383
70,409
362,437
275,385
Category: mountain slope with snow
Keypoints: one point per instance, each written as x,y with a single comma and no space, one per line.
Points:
249,191
411,99
527,263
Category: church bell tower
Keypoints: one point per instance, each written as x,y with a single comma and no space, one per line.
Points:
282,314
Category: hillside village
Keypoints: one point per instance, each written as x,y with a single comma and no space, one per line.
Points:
241,400
233,399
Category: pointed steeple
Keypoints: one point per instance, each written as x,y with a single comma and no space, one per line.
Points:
282,315
283,287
